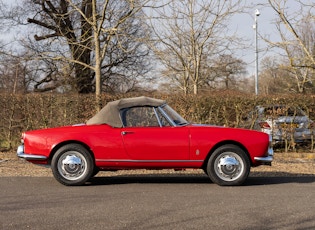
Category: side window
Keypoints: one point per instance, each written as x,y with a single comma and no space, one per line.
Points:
140,117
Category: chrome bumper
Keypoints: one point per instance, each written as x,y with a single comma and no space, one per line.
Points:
268,159
264,160
20,153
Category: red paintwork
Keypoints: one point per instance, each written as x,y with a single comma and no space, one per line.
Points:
149,147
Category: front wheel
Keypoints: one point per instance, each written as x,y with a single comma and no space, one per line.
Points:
228,165
72,164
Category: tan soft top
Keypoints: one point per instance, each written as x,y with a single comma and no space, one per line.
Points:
110,113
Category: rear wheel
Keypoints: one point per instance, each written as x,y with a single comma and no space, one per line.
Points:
228,165
72,164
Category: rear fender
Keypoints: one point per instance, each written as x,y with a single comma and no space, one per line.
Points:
58,146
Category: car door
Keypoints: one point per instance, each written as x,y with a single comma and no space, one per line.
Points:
146,137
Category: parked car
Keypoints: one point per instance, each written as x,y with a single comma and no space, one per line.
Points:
283,123
145,133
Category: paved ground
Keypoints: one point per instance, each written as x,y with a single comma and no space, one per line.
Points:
157,202
276,197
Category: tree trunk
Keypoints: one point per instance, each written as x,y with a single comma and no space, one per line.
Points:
195,88
84,74
98,61
83,79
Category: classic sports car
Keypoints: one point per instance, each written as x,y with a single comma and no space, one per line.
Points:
145,133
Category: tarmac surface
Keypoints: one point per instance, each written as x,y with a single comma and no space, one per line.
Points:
158,201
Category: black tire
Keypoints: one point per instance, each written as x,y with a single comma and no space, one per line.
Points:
95,172
228,165
72,164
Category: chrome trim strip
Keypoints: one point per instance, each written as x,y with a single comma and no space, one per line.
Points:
148,161
20,153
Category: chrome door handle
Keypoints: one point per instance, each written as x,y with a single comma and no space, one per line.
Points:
126,132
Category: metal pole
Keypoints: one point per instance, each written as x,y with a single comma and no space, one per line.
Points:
256,52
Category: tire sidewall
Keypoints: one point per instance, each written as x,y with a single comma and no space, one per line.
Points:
89,164
236,150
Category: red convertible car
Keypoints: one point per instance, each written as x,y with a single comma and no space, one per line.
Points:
145,133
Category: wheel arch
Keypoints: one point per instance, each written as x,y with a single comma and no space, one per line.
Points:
61,144
222,143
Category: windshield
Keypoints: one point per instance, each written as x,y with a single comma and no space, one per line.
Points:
173,115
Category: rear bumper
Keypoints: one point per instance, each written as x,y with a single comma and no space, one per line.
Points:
30,157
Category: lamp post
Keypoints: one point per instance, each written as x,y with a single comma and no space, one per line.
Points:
257,13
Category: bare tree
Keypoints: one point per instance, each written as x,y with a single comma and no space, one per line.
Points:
297,33
229,70
60,25
188,31
274,77
96,40
13,73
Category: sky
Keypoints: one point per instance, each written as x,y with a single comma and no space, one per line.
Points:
265,27
242,24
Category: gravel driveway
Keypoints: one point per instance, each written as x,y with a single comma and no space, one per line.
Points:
285,164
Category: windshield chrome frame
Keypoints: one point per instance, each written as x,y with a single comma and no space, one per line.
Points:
169,119
157,116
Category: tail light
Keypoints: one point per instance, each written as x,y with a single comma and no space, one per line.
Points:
264,125
22,138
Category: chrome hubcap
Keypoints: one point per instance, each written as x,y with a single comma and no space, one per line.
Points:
72,165
229,166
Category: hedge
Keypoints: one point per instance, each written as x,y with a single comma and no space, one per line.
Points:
36,111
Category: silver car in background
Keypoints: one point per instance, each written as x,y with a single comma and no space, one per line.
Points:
284,123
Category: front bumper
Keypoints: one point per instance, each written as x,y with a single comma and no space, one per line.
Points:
264,160
268,159
30,157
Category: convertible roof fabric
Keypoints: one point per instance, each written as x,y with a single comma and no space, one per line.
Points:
110,114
